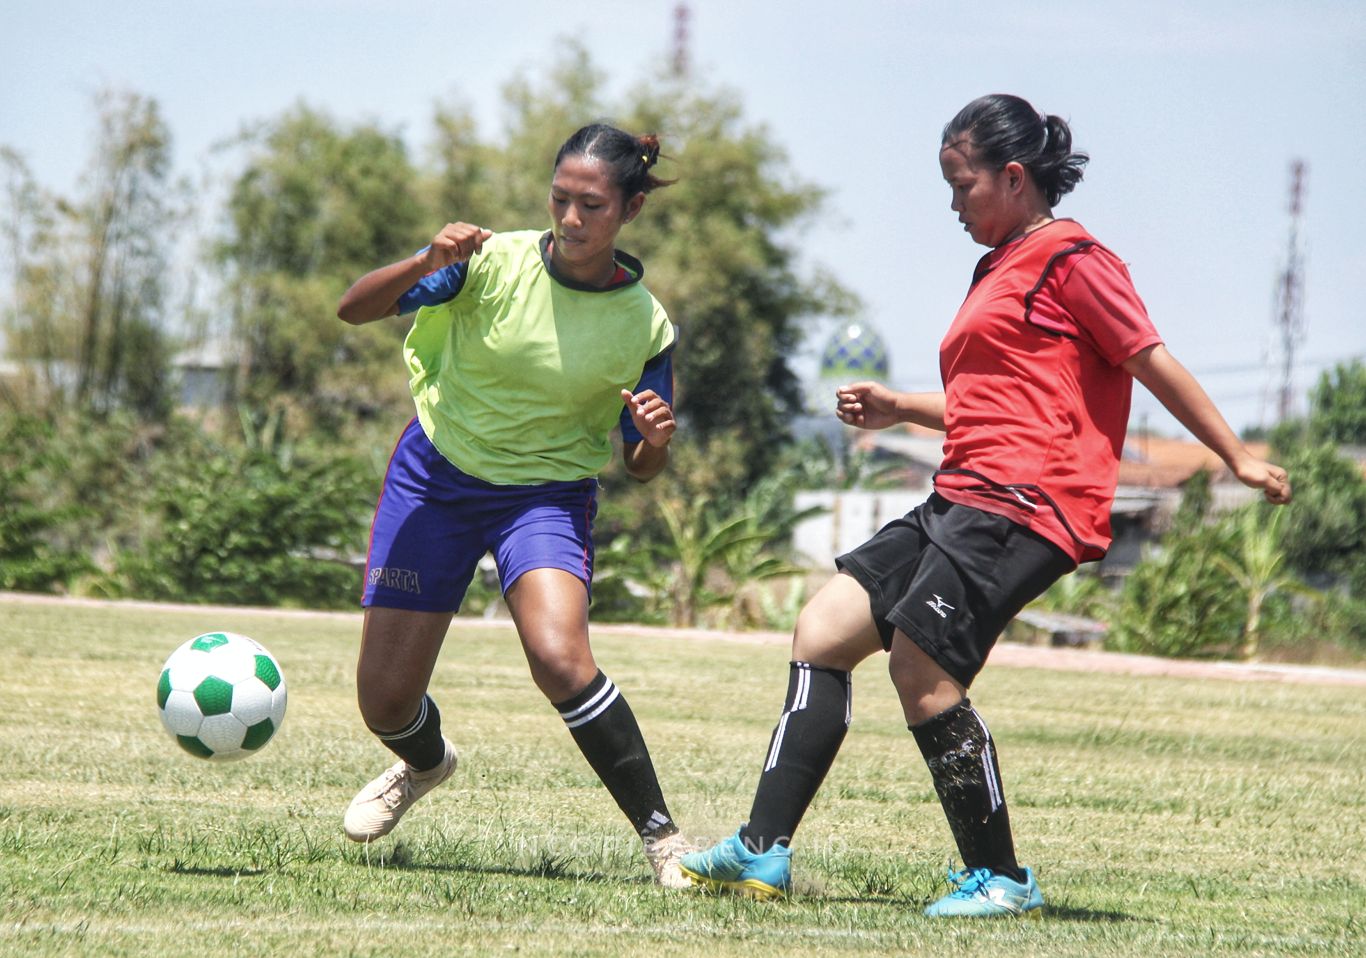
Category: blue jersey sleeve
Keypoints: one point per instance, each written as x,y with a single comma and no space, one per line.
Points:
658,375
440,286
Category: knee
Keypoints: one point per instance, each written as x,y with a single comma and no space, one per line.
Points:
561,671
816,640
385,706
922,687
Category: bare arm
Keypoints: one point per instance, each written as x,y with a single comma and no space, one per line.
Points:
375,295
655,420
871,405
1178,391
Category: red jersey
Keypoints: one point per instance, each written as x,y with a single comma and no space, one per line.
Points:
1036,401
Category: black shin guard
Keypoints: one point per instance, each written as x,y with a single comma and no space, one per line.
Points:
962,759
419,743
804,744
605,729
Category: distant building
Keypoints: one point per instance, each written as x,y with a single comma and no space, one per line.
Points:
1152,474
202,374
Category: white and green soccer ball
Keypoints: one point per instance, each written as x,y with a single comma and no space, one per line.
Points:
222,696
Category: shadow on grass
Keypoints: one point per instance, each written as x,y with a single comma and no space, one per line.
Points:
222,871
1052,912
547,865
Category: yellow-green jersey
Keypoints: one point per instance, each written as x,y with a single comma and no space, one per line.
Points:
517,376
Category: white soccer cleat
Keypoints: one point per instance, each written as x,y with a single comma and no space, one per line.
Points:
664,854
376,809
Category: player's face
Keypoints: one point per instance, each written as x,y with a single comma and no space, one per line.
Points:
588,211
986,204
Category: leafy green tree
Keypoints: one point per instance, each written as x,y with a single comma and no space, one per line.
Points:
316,205
89,272
1256,564
1338,405
1325,530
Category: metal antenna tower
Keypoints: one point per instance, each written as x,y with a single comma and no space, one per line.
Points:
680,50
1290,294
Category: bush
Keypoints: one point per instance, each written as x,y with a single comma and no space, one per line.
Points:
1178,601
33,556
252,527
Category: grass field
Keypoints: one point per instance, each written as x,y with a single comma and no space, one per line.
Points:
1165,817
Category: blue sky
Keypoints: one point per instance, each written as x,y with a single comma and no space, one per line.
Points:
1192,113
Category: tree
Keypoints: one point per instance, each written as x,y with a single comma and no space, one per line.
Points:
316,205
1256,566
1325,529
724,244
90,280
1338,405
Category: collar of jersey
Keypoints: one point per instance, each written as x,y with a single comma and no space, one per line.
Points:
633,267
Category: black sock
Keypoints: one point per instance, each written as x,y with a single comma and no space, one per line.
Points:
962,758
800,753
605,729
419,743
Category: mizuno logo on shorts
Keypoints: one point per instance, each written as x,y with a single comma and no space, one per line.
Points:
941,608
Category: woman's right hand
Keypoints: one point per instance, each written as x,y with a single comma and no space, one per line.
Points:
455,243
868,405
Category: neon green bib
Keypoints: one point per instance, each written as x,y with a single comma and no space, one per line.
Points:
518,379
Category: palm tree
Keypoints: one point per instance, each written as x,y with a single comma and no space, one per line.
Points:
1256,566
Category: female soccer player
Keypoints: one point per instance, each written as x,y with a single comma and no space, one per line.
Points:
526,350
1037,369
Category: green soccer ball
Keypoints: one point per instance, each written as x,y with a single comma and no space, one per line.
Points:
221,696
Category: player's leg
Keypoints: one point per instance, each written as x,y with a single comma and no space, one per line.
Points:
947,620
422,556
550,609
835,631
398,652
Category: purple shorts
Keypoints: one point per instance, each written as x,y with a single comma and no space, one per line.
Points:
433,524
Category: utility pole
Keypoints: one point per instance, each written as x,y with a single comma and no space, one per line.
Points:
1290,294
680,47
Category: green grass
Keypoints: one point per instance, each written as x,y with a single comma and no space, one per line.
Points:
1164,817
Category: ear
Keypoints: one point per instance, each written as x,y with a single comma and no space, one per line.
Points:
633,206
1016,177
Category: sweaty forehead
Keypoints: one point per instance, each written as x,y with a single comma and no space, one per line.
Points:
957,157
583,176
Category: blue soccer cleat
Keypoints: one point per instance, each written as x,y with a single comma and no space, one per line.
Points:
730,866
981,893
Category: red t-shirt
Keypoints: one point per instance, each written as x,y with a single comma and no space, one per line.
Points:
1036,401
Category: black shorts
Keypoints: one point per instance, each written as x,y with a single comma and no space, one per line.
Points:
951,577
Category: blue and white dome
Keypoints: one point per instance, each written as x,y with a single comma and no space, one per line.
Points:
855,351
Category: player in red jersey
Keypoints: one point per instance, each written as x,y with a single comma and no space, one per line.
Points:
1037,369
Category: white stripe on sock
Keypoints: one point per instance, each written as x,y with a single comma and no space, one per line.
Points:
607,687
584,720
803,695
988,766
411,727
777,742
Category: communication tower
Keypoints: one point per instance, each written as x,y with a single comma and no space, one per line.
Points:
680,48
1289,318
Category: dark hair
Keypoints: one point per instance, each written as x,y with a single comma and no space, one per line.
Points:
1006,129
628,158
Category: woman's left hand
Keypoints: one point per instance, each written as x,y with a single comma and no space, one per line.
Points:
652,416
